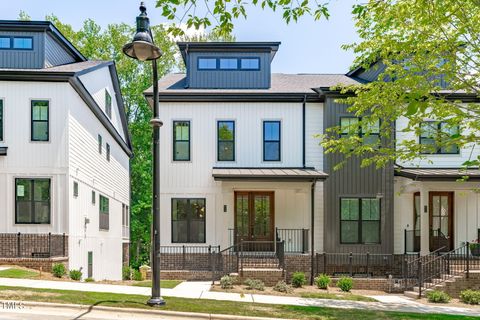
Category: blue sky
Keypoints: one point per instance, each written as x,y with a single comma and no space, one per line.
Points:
307,46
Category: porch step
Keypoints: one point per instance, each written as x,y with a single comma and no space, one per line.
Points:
411,294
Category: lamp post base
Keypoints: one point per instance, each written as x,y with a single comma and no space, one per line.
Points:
156,302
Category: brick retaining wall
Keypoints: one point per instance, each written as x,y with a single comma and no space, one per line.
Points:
44,264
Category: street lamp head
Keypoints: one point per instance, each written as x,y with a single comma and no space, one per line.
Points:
142,47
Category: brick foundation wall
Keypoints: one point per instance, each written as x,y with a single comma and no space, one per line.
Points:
297,262
455,286
14,245
269,276
44,264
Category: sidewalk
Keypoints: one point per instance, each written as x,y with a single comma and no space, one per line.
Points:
200,290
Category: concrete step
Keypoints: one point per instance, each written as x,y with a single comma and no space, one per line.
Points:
411,294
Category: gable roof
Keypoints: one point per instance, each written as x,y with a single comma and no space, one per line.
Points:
43,26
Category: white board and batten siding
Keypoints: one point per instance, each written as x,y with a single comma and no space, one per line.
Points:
193,179
93,172
28,159
434,160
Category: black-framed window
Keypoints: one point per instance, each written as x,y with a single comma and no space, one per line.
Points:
188,220
1,120
228,63
207,64
23,43
40,120
100,143
271,140
432,132
370,133
359,221
108,104
226,140
250,63
75,189
181,140
16,43
108,151
5,42
104,213
32,201
94,197
125,215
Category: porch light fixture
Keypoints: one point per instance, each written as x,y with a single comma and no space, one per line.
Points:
143,48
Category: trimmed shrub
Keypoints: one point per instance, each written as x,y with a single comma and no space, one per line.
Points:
282,286
75,275
345,284
226,282
254,284
298,279
126,273
437,296
89,280
59,270
470,296
137,275
322,281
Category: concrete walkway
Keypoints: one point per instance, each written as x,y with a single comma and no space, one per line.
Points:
200,290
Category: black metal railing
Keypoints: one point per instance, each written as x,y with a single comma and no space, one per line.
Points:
33,245
296,240
439,266
438,240
361,264
192,258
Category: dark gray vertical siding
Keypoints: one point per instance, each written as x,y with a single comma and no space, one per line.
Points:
373,72
354,181
24,59
55,54
229,79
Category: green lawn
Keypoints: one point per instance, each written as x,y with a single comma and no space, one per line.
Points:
206,306
327,295
167,284
18,273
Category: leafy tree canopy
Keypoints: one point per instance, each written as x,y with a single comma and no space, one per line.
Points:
425,50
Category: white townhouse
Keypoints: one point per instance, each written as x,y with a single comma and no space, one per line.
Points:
243,174
64,155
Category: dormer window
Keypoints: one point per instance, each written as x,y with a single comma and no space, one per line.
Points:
228,64
16,43
250,64
207,64
234,63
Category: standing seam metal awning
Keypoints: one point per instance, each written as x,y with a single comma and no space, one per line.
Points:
438,174
268,174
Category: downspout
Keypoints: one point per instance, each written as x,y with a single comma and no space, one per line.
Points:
303,129
312,233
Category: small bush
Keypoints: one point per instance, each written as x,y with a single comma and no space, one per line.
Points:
137,275
126,273
322,281
89,280
470,296
254,284
282,286
59,270
226,282
75,275
437,296
298,279
345,284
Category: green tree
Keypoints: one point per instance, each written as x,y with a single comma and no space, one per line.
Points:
421,43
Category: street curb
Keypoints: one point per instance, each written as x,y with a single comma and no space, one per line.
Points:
187,315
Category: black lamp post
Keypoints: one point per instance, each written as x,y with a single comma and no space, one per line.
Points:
143,48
